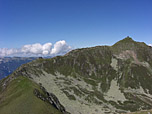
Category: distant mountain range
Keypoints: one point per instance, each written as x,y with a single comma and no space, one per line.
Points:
98,80
10,64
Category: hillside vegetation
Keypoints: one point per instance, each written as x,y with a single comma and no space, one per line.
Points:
97,80
18,98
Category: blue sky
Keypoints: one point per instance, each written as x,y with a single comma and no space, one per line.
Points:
81,23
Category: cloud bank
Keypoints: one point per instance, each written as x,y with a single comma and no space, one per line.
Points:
37,49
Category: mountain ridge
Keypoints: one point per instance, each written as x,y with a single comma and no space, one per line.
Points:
91,79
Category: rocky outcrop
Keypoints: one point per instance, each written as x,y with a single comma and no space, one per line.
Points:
50,98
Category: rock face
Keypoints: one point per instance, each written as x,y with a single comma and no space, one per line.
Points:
50,98
97,80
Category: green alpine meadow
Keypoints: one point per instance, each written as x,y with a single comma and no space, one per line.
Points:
113,79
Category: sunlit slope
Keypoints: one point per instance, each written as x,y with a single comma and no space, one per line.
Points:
18,98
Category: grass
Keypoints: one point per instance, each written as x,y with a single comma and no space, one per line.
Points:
18,98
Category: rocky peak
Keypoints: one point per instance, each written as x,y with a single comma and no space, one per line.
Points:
140,49
125,44
127,39
129,44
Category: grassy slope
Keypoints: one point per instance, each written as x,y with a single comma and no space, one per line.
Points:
18,98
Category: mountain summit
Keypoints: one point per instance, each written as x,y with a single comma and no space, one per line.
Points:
100,80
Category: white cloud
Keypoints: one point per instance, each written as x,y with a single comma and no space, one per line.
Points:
37,49
60,47
7,52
